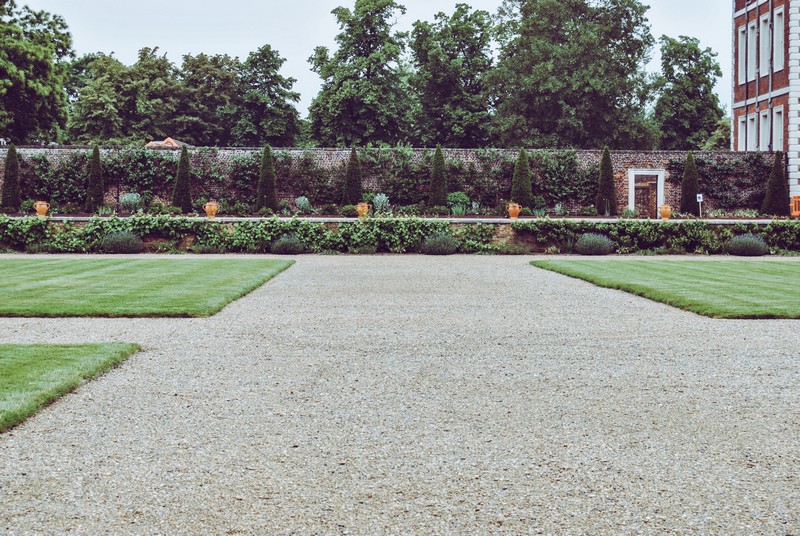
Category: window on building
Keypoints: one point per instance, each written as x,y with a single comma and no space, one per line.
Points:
777,41
764,131
764,42
752,132
777,129
752,37
741,136
741,51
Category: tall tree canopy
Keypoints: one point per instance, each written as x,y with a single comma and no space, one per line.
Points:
35,47
364,98
687,110
452,56
570,73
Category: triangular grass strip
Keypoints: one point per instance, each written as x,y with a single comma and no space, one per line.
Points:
128,287
34,375
713,288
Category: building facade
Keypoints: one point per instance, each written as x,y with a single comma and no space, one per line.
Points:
766,80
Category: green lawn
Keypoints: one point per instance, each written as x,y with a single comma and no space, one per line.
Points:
715,288
33,375
91,286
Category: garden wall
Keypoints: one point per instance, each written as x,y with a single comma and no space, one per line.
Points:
567,177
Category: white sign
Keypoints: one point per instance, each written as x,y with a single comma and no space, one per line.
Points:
699,198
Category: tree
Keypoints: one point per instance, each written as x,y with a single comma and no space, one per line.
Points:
181,195
687,110
606,202
776,200
690,187
352,182
34,48
98,112
11,187
452,57
265,195
438,191
95,190
266,111
521,182
571,74
720,139
364,98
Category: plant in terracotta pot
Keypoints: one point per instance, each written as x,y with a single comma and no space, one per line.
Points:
41,208
665,211
363,209
513,210
211,208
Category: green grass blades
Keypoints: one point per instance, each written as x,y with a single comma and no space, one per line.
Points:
33,375
714,288
125,287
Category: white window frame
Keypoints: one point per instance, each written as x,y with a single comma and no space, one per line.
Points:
752,132
742,54
752,56
764,42
764,130
778,43
778,118
741,138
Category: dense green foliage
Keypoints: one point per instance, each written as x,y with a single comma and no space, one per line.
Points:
687,110
776,199
265,195
437,195
719,289
121,242
181,194
34,375
747,245
440,244
95,188
351,193
521,186
452,57
606,202
593,244
10,198
690,187
288,244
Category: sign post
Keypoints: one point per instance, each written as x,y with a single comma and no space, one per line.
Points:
700,203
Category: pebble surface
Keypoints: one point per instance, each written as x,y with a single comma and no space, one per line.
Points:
417,395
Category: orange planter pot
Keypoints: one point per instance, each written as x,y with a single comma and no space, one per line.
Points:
211,208
362,209
41,208
665,211
513,210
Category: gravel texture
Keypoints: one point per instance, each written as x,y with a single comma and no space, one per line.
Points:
417,395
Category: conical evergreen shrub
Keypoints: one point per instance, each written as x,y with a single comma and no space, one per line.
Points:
690,187
776,200
606,202
438,191
95,189
181,196
265,195
352,182
10,196
521,183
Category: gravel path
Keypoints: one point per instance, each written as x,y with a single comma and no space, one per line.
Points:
417,395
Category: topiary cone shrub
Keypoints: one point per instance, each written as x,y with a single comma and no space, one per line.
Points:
689,187
776,198
265,194
181,196
521,182
438,193
352,182
10,196
606,201
95,190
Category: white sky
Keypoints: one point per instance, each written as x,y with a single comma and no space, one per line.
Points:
295,27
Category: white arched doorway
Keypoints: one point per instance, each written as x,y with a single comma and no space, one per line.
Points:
646,191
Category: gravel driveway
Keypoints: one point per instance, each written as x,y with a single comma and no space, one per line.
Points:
417,395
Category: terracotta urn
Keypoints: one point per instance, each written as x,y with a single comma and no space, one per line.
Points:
513,210
211,208
665,211
362,209
41,208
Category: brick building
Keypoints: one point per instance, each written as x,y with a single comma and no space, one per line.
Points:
766,80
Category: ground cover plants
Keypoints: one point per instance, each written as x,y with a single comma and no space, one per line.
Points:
714,288
125,287
33,375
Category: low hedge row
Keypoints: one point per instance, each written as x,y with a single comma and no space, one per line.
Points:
165,233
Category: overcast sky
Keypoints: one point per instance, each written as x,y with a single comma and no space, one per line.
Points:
295,27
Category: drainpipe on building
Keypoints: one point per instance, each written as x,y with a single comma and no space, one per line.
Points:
771,72
746,53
